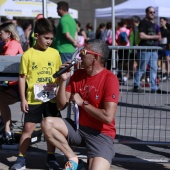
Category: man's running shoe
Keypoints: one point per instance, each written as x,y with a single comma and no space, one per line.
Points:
71,165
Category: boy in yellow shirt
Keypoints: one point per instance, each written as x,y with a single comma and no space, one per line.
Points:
37,67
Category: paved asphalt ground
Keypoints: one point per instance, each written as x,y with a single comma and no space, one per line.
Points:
128,157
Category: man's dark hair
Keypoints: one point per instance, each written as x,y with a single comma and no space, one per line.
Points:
147,9
43,26
101,47
63,5
165,19
136,19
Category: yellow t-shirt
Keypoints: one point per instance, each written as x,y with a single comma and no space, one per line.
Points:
39,67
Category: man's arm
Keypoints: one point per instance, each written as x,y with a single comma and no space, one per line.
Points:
71,39
144,36
62,96
106,115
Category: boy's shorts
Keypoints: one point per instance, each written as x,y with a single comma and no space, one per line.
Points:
96,143
37,112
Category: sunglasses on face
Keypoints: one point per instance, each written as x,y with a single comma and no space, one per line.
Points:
84,52
152,12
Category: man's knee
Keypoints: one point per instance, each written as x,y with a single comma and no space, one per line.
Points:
47,123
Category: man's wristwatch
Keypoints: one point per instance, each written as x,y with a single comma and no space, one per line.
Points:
85,102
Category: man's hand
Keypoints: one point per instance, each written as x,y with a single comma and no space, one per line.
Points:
77,99
67,74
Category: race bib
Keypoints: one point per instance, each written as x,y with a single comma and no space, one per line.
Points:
44,92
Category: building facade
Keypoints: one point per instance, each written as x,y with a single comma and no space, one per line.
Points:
86,9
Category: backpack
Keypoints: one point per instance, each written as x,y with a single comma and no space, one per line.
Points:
123,38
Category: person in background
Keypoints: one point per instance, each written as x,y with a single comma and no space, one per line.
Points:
134,41
106,36
81,32
37,66
165,44
149,33
32,39
9,89
27,27
96,92
21,33
89,31
100,30
65,38
53,23
122,39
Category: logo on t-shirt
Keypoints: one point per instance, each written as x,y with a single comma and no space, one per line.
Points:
114,96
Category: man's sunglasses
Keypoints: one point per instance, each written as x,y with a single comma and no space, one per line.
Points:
84,52
152,12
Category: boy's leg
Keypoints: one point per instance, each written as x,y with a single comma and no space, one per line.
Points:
25,139
33,116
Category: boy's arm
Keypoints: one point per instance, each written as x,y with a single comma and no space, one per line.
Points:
24,104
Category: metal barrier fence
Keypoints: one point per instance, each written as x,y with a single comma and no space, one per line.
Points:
141,118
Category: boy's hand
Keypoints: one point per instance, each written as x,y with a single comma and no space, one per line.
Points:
24,106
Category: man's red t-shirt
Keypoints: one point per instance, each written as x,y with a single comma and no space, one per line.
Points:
97,89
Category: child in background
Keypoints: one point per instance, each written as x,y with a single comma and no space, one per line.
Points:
38,64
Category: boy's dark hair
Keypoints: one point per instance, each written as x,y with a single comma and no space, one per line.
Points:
43,26
63,5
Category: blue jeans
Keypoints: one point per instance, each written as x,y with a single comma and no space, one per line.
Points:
66,57
147,58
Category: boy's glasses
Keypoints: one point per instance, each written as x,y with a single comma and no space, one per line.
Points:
84,52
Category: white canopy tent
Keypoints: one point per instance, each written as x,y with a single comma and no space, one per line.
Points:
130,8
30,8
134,7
